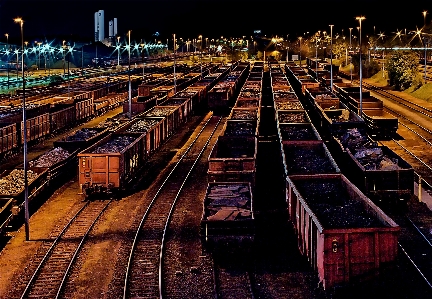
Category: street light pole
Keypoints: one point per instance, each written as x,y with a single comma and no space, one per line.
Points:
7,57
26,201
118,50
425,57
129,77
360,72
300,38
350,29
331,57
174,71
316,57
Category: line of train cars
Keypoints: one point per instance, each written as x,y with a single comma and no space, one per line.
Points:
344,235
379,123
110,165
376,170
139,137
228,210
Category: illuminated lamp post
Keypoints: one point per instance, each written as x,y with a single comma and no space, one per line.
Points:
360,71
300,38
64,59
142,54
26,201
331,57
7,56
350,29
118,50
129,77
174,71
316,57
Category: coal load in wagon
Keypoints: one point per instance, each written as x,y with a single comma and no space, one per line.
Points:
296,132
284,96
333,206
142,125
235,150
374,159
288,105
14,182
82,134
115,145
50,158
160,111
288,117
244,114
243,103
228,202
354,139
307,160
235,128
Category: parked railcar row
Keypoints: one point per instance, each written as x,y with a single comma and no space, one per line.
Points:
156,123
228,210
380,124
343,234
112,164
50,113
222,96
376,170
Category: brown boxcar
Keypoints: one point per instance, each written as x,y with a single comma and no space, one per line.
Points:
380,173
233,159
344,235
111,164
62,116
8,138
152,127
37,127
184,107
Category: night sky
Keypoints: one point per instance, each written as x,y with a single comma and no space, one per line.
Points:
212,19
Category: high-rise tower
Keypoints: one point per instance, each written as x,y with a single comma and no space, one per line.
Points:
99,25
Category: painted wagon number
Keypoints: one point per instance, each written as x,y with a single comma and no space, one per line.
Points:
134,161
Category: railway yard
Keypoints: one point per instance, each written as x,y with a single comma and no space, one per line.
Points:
241,180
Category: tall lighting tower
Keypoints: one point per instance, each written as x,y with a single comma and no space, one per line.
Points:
331,57
129,77
26,201
360,19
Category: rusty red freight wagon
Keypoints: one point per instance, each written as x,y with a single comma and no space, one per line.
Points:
343,234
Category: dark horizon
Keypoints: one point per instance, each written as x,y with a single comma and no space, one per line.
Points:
212,19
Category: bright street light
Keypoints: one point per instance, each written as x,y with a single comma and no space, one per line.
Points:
26,201
360,19
129,77
331,57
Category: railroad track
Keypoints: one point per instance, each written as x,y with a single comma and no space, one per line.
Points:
144,272
399,100
231,282
52,272
415,243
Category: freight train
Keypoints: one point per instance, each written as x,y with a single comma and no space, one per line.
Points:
376,170
45,170
228,207
335,223
111,165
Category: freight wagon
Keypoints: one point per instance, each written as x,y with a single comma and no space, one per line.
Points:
233,159
380,123
228,214
344,235
111,164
